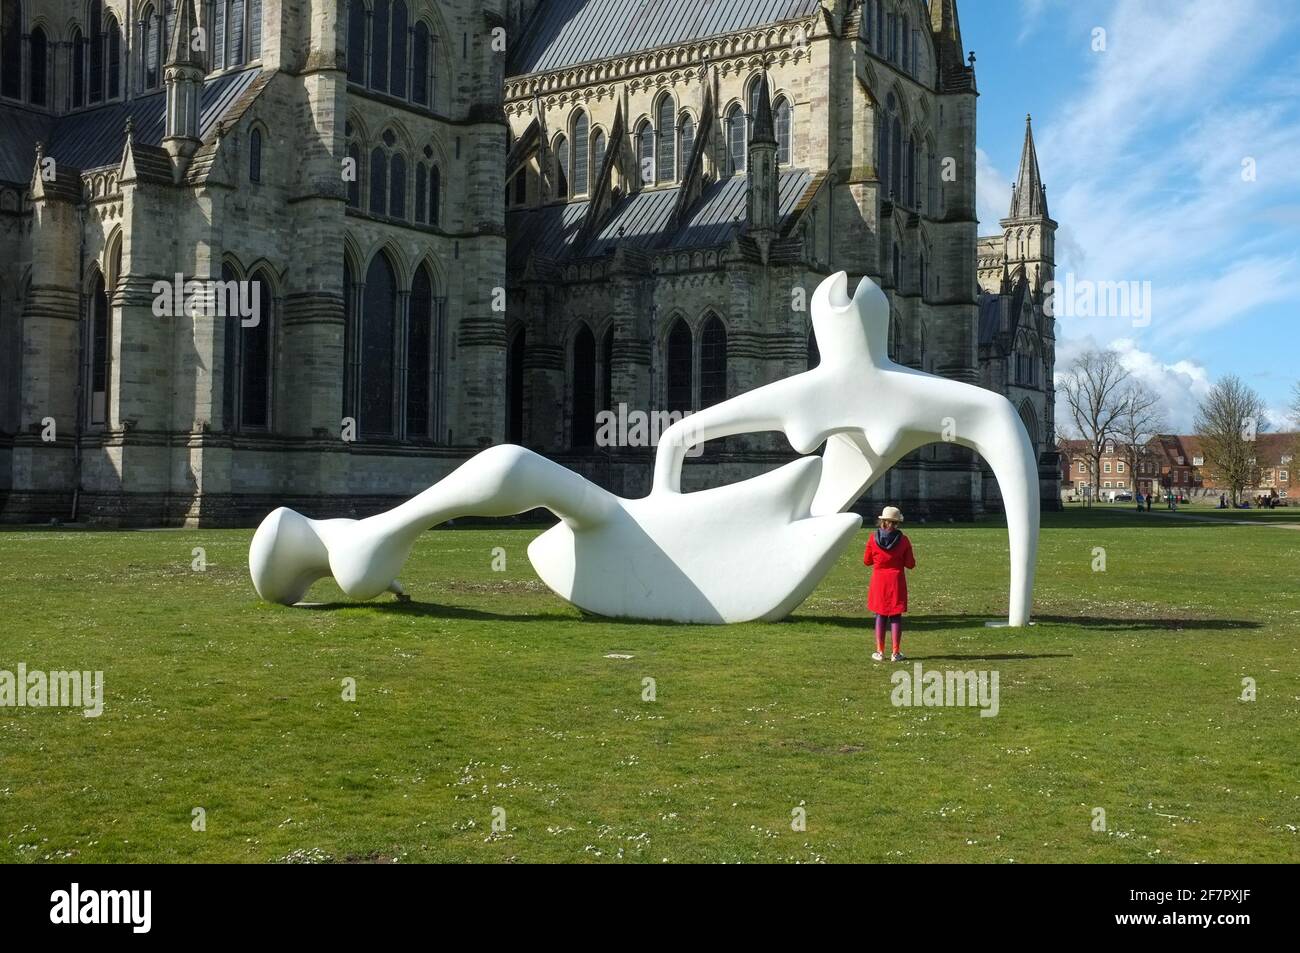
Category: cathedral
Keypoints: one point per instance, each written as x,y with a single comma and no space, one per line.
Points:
317,253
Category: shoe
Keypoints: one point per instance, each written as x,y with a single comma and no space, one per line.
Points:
877,657
897,657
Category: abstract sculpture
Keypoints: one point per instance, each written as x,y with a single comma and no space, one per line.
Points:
749,550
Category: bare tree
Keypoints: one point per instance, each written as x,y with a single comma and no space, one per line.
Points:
1094,389
1227,422
1141,418
1295,419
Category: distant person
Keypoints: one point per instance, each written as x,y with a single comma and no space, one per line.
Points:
1139,500
889,553
1223,502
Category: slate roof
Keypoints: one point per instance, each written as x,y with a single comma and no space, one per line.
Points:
551,231
993,308
95,137
564,33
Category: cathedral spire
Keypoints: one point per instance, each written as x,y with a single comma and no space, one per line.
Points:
1029,197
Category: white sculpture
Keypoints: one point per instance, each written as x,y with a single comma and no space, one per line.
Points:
749,550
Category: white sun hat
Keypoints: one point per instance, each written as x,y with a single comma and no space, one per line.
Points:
891,513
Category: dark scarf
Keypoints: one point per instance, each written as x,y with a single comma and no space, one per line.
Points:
888,540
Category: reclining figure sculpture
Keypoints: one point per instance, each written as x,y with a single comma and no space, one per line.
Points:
748,550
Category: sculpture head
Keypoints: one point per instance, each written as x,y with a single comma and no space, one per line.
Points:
850,330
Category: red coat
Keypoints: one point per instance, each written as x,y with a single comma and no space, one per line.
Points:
887,594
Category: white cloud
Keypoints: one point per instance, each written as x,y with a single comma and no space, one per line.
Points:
1180,385
1031,14
992,193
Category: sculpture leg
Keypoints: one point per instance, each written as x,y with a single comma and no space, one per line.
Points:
289,552
999,437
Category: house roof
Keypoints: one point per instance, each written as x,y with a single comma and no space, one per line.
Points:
565,33
95,137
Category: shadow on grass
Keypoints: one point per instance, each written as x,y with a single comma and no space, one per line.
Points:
437,611
986,657
924,623
920,623
1138,625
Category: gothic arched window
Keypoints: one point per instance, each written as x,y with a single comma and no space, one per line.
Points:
38,61
561,151
255,360
645,152
235,33
376,339
781,114
356,40
397,186
686,135
713,362
79,69
911,172
378,181
149,33
420,65
254,29
598,146
581,132
735,140
582,425
95,29
11,49
679,367
113,81
100,351
349,339
379,46
421,190
896,158
515,386
255,156
419,354
666,159
397,61
435,196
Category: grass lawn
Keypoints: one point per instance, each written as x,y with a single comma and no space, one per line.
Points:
489,692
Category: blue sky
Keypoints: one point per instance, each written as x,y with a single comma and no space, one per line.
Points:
1141,146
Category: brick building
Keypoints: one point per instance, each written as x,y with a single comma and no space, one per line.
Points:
1177,463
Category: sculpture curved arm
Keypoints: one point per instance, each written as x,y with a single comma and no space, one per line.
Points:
766,408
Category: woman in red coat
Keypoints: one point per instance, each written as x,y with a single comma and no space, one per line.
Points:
889,553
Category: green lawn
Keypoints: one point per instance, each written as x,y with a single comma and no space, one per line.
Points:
489,692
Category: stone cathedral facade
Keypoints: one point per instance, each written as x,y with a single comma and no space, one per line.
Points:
318,252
